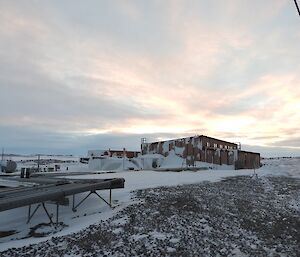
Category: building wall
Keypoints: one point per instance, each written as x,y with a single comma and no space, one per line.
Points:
216,143
248,160
205,149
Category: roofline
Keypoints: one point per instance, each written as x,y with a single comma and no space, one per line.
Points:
112,150
248,152
192,137
220,140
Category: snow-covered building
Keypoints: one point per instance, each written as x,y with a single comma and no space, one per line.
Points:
112,153
204,149
112,159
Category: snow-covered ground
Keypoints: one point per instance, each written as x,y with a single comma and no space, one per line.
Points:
93,210
64,161
282,166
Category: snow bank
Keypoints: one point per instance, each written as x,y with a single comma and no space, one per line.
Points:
151,161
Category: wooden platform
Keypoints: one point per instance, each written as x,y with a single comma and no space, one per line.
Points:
58,189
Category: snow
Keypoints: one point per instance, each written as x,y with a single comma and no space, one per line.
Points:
152,161
20,158
179,150
172,161
166,146
66,163
111,163
93,211
158,235
282,166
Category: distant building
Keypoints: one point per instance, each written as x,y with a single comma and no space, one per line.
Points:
94,154
204,149
111,159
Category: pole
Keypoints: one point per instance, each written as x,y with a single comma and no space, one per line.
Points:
38,168
2,159
297,7
123,163
57,209
110,197
124,153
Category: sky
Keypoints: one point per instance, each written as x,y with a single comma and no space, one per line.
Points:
97,74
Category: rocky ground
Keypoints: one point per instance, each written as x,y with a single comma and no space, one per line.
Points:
239,216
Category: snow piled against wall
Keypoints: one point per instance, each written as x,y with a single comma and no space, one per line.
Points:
179,150
165,146
172,161
150,161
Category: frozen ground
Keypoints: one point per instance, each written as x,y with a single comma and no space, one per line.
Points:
236,216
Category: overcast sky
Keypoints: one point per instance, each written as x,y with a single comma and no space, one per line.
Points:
79,75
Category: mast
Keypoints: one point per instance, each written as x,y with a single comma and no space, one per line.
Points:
38,167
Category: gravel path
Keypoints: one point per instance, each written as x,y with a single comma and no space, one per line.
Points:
239,216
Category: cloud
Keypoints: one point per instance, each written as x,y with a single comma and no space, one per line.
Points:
32,140
178,67
268,151
291,142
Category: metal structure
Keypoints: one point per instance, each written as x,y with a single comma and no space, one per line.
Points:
8,166
54,190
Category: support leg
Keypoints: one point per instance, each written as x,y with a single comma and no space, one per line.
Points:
101,198
31,215
29,210
110,197
57,209
74,207
49,216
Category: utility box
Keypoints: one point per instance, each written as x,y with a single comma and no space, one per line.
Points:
27,173
22,175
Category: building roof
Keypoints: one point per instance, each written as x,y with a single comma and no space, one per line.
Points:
190,138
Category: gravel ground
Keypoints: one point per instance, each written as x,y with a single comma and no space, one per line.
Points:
238,216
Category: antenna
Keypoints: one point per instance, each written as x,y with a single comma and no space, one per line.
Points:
297,7
2,159
143,141
239,145
38,163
